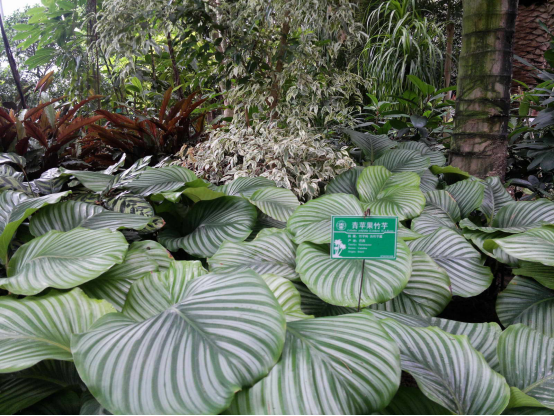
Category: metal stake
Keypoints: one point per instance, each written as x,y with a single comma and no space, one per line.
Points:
367,213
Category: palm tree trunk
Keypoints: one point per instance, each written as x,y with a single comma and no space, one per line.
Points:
11,60
479,143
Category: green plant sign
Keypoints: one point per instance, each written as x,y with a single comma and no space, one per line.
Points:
359,237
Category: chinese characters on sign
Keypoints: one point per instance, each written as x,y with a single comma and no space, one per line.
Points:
358,237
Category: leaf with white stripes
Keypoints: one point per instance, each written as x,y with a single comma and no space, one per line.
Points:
209,224
541,273
427,292
312,221
373,146
436,157
451,373
39,328
458,258
11,183
411,401
527,302
429,181
15,207
153,181
142,257
441,210
225,333
479,237
494,198
468,194
403,160
535,245
130,204
278,203
68,215
95,181
63,260
272,252
24,388
338,282
345,183
245,186
482,336
394,194
12,158
527,361
340,365
287,295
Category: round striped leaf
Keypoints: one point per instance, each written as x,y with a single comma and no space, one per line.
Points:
451,373
142,257
339,365
536,245
210,223
427,292
403,160
479,237
15,207
483,337
287,296
245,186
278,203
95,181
436,157
226,333
468,194
63,260
39,328
156,292
527,361
411,401
154,181
429,182
494,198
441,210
24,388
312,221
458,258
541,273
270,252
68,215
130,204
338,282
527,302
12,158
385,193
345,183
373,146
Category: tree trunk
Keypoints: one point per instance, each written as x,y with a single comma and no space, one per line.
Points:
450,29
11,60
479,144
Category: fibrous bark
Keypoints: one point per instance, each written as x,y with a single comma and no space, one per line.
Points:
479,143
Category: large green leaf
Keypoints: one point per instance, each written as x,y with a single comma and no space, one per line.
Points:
24,388
39,328
527,361
468,194
312,221
403,160
451,372
225,333
479,238
245,186
63,260
541,273
373,146
411,401
527,302
427,292
495,197
536,245
271,252
461,261
210,223
429,182
68,215
278,203
338,281
345,183
339,365
287,295
95,181
142,257
15,207
436,157
153,181
441,210
385,193
483,337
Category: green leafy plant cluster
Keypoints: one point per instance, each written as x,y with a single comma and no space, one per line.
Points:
148,290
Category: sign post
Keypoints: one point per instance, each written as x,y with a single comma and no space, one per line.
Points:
363,237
